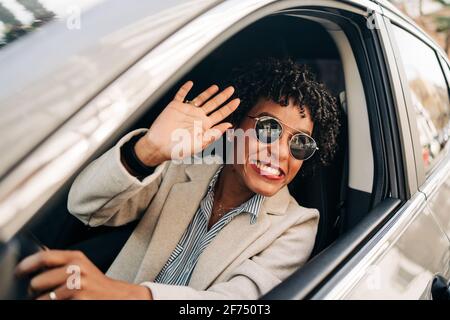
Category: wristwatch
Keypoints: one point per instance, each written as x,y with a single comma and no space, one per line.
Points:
131,161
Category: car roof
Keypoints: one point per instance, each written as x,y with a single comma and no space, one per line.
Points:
49,74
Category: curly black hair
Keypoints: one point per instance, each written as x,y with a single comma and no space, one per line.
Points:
280,80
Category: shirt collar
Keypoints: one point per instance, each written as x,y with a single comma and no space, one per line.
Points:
213,181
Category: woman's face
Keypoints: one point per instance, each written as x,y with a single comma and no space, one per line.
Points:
266,168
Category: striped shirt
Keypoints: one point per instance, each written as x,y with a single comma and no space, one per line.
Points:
178,269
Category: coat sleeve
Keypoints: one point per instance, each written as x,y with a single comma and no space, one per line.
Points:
258,275
104,193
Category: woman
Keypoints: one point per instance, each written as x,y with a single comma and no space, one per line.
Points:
206,231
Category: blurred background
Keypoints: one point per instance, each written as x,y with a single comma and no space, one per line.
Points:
18,17
431,15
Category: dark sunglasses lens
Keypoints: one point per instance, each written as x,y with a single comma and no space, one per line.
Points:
268,130
302,146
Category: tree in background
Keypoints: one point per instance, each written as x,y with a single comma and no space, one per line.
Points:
14,28
41,14
7,17
443,25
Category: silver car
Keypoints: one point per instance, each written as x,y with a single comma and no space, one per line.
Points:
73,80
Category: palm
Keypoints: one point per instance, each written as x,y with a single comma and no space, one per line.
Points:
197,125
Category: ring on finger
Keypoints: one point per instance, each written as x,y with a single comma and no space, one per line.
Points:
52,295
191,102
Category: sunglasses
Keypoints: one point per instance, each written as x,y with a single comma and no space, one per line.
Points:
269,129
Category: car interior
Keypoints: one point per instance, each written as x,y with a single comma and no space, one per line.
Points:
342,191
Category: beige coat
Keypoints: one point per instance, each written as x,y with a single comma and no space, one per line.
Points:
243,261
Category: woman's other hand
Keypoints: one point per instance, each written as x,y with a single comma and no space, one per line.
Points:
71,275
200,120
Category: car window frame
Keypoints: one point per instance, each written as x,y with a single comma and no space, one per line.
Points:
328,268
351,272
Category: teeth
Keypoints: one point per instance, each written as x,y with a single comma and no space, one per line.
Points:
267,170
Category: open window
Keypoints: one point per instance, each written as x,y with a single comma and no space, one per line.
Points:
342,191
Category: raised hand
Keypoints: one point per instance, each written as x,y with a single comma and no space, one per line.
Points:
200,120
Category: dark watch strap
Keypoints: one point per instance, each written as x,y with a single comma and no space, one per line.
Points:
128,155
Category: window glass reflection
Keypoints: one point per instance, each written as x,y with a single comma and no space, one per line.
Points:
429,94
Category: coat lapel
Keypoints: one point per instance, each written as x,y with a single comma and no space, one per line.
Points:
178,211
234,238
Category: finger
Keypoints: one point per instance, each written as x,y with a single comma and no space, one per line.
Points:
215,133
48,280
220,98
43,259
205,95
183,91
62,293
224,111
220,129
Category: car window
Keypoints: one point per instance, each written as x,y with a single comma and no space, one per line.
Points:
20,17
429,94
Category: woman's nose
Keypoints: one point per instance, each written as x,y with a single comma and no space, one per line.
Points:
280,149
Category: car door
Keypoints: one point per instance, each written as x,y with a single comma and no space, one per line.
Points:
410,249
428,82
437,184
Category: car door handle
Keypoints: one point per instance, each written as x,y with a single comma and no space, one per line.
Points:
440,288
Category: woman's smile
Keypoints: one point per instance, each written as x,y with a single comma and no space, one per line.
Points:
267,170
